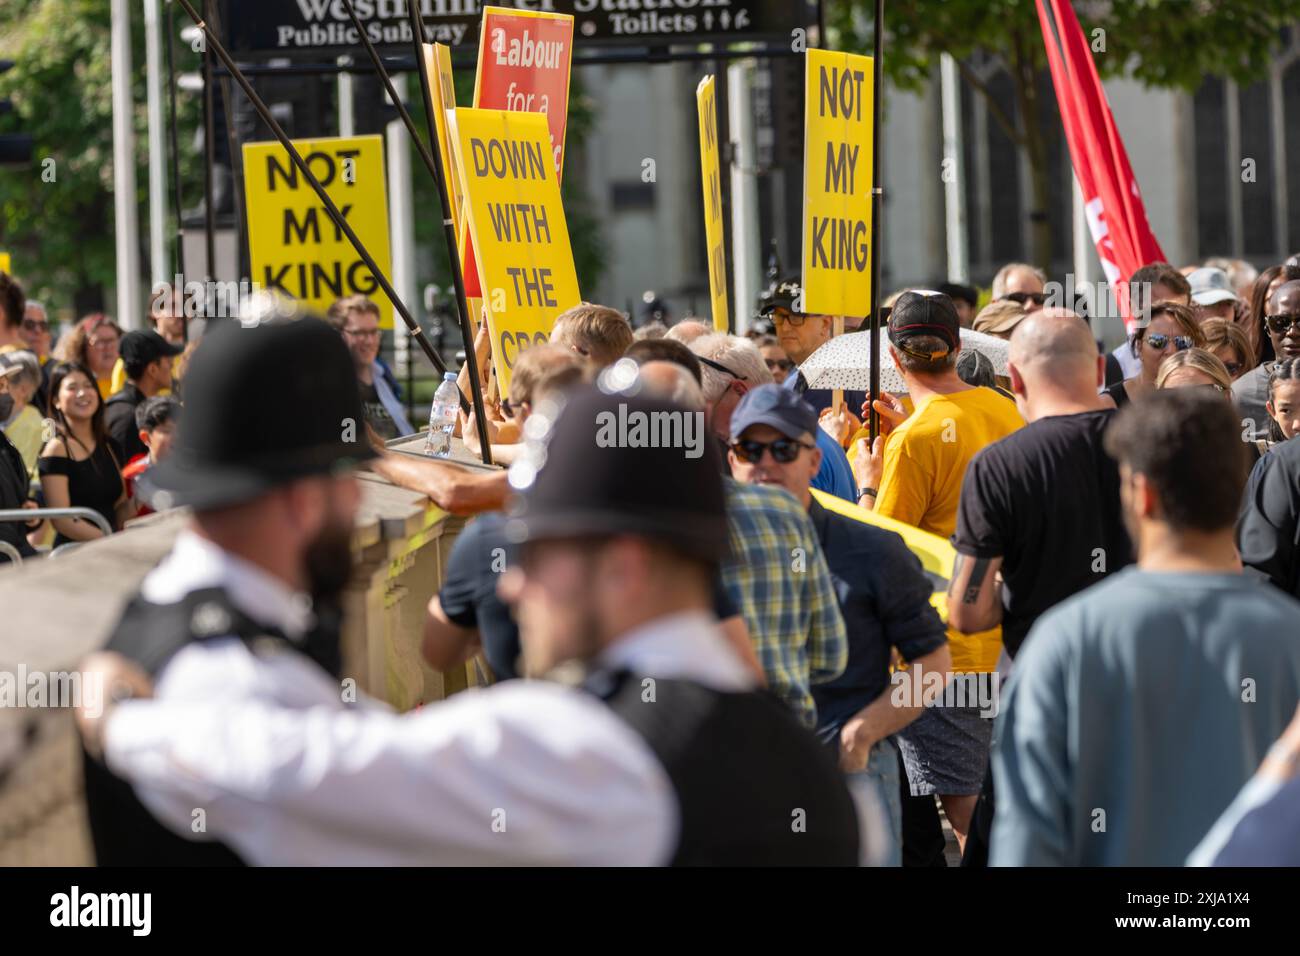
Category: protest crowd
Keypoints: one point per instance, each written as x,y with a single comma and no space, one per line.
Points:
1113,680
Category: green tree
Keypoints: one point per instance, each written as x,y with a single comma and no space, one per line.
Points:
1165,43
56,216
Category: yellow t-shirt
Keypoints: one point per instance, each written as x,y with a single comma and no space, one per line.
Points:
926,456
26,431
925,461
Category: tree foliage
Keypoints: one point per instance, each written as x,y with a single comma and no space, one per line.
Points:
1163,43
56,219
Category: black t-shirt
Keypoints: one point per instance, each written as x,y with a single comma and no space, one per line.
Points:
469,592
1046,500
376,414
1268,529
119,422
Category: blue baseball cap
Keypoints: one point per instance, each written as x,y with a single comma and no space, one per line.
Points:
777,407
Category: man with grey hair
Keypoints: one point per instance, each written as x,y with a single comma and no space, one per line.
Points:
1020,282
731,367
687,331
22,422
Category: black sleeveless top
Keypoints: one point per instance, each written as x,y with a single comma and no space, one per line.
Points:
123,831
94,483
1118,393
754,787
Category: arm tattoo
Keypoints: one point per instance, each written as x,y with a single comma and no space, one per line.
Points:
977,574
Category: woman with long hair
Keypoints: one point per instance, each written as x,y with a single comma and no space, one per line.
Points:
93,345
1229,342
1171,328
1265,285
77,466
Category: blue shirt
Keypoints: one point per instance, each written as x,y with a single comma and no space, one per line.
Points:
835,477
1136,711
884,598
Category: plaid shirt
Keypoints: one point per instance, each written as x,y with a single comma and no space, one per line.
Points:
777,576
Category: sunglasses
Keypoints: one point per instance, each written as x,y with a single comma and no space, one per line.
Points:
513,409
1277,324
779,365
33,325
719,367
784,450
786,317
1234,368
1020,298
1159,341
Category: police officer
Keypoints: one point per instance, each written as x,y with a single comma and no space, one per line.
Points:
660,749
243,607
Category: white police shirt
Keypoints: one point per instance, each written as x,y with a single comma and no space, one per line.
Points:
526,772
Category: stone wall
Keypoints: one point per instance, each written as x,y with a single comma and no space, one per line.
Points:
54,611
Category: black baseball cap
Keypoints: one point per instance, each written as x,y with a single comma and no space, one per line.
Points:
777,407
590,484
264,405
924,312
786,294
143,347
956,290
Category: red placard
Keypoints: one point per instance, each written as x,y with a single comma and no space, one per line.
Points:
524,62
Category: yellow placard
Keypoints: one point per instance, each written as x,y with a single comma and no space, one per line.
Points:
707,104
442,88
973,653
838,143
517,223
4,263
293,245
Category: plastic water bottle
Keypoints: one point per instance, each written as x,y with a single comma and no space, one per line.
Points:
442,417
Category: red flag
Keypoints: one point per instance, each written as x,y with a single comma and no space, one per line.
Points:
1117,218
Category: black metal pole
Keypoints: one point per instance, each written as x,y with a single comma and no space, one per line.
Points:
175,146
331,209
209,159
449,231
877,206
242,266
392,92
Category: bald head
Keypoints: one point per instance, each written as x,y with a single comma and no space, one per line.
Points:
661,379
1054,351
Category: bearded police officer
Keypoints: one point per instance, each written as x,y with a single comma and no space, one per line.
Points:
660,750
243,607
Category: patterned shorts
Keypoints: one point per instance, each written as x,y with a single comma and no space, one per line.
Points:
946,750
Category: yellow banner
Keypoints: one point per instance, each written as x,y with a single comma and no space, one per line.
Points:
838,143
707,103
293,245
976,653
442,88
517,222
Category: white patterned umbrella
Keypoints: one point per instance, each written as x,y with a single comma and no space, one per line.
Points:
844,362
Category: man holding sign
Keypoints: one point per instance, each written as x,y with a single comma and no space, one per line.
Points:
518,227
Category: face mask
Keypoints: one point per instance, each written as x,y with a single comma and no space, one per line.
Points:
6,406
